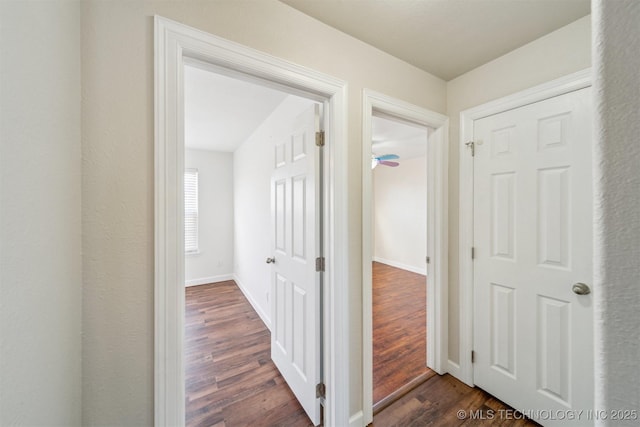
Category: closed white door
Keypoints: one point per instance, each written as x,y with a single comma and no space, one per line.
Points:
295,333
533,322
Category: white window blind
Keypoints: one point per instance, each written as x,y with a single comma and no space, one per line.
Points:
190,210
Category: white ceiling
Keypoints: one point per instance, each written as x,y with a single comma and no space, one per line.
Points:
446,38
391,136
443,37
222,112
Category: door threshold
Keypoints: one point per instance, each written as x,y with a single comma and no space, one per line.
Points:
397,394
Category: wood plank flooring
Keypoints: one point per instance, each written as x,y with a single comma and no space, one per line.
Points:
399,329
399,356
437,403
230,378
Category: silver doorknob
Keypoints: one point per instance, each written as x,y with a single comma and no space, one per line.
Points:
271,260
580,289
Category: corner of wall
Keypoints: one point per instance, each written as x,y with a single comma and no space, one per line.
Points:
616,43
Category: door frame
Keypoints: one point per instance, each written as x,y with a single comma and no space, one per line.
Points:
437,233
176,43
463,370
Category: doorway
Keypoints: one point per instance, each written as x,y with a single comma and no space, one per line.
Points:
376,104
399,282
532,268
176,44
237,134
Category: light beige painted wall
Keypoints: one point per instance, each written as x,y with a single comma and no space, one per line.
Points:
616,160
559,53
400,214
40,245
214,259
117,118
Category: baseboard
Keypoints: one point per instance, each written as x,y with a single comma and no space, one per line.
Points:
207,280
356,420
254,304
401,266
453,369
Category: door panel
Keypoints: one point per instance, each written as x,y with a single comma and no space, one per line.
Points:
553,363
295,285
533,337
503,330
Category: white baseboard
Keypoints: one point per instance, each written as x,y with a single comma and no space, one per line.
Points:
207,280
356,420
453,369
254,304
401,266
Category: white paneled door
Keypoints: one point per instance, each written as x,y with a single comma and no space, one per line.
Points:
533,317
295,302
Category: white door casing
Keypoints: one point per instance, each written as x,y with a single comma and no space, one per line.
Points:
174,44
295,284
533,336
437,234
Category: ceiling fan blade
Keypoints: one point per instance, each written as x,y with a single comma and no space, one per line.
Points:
392,164
387,157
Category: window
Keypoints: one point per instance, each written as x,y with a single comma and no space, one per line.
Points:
191,211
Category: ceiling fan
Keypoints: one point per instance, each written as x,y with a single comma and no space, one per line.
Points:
384,160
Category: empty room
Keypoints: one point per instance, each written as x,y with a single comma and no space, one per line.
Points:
240,139
399,271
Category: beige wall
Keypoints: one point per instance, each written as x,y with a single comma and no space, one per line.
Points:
41,222
40,246
617,207
214,260
557,54
117,89
400,214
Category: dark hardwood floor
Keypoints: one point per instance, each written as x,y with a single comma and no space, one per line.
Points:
399,329
443,401
230,378
399,363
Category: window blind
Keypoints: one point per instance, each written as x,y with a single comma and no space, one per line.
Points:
190,210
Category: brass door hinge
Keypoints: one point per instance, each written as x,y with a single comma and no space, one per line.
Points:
320,138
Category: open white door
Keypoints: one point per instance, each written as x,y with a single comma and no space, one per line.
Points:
295,288
533,316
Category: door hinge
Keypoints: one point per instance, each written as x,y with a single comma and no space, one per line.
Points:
320,138
473,252
428,260
471,145
320,263
473,356
320,390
